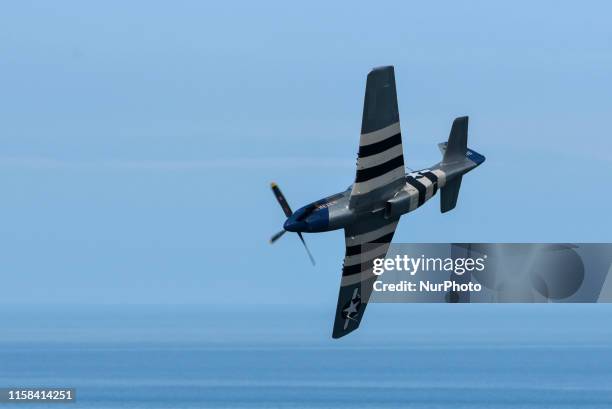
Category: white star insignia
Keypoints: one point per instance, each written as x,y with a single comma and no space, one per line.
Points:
352,308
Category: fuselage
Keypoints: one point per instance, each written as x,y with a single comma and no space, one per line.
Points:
333,212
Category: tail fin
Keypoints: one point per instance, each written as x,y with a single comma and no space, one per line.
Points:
454,152
456,148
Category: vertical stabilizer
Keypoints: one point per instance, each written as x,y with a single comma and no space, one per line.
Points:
456,148
455,160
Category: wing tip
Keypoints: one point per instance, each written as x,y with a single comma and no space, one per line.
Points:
382,68
339,333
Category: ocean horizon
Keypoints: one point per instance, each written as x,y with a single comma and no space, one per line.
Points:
223,357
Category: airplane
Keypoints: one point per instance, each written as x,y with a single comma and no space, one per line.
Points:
370,209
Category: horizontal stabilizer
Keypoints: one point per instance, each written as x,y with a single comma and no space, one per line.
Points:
449,194
442,147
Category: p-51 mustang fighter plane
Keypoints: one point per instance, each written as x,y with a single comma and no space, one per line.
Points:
370,208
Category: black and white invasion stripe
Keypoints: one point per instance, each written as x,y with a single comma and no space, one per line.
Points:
362,249
426,183
380,160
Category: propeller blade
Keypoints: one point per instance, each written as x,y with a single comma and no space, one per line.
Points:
288,212
277,236
281,199
306,247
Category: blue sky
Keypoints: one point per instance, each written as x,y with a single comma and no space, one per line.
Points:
138,140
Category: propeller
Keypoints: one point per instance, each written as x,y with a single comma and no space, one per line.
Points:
288,212
306,247
277,236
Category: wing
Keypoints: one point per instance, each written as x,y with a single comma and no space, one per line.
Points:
380,161
365,241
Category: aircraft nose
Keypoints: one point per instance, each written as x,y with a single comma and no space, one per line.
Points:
318,221
294,226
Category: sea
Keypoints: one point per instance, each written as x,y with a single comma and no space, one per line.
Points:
404,356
